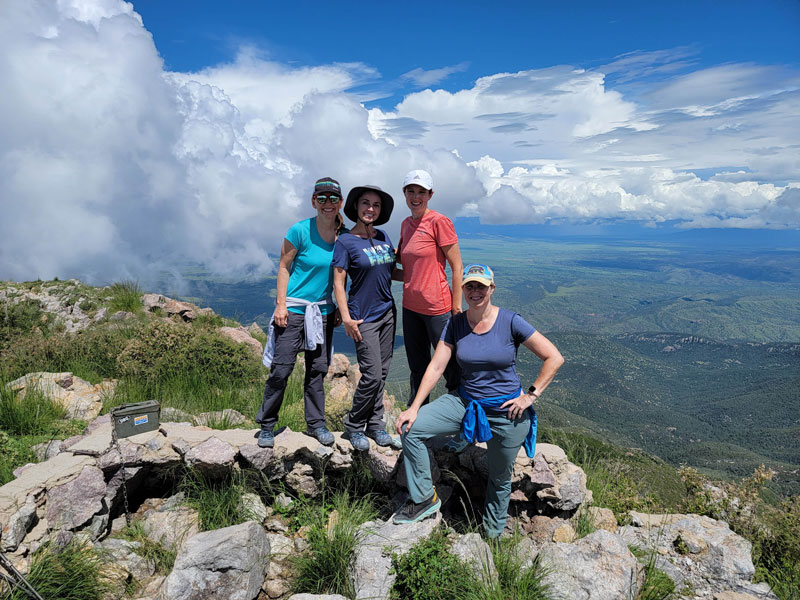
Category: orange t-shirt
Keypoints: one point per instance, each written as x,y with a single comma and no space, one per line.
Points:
425,287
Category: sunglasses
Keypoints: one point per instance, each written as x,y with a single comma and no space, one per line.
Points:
322,199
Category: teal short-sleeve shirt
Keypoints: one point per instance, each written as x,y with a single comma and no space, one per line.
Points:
311,274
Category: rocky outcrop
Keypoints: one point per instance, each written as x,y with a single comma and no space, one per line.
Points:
169,307
696,551
228,563
78,492
597,567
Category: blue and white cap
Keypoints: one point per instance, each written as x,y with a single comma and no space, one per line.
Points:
477,272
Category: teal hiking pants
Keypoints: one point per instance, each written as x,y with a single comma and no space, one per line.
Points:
443,416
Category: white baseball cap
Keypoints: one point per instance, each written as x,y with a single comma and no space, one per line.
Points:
420,178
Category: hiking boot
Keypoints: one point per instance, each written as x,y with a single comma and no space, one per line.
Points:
266,439
411,512
322,434
381,437
358,440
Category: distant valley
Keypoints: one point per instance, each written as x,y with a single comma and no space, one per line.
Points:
684,345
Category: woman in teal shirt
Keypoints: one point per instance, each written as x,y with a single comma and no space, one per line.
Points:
304,315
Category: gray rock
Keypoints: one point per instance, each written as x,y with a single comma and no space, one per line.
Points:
252,506
302,480
382,464
123,554
710,557
225,564
597,567
47,450
71,505
259,458
170,527
213,457
472,550
379,540
18,525
317,597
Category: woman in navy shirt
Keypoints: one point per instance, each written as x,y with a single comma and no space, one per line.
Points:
366,255
490,406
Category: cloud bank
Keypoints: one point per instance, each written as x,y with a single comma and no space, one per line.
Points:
112,167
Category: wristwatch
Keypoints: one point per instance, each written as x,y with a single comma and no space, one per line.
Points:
531,391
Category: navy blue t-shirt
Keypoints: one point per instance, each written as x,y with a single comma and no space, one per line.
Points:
369,264
488,360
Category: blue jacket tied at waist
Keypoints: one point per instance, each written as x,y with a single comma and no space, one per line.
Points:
475,426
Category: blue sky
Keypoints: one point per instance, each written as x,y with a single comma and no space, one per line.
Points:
134,136
476,38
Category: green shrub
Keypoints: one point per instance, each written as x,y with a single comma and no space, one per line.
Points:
125,295
90,354
22,318
14,452
429,572
71,573
333,537
166,349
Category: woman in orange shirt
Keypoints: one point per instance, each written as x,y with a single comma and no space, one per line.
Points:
428,240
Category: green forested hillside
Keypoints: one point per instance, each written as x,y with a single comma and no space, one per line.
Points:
688,351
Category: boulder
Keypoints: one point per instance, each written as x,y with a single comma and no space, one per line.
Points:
123,554
602,518
242,336
213,457
170,525
224,564
711,557
379,540
73,504
472,550
598,567
18,525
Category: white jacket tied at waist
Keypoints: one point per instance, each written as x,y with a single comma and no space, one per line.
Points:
314,330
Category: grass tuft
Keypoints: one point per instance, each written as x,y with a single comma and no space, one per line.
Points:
29,414
126,295
333,536
219,501
74,572
163,558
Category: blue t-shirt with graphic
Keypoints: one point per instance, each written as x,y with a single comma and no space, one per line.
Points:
488,360
369,264
311,274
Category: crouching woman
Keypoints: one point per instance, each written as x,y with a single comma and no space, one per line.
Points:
490,406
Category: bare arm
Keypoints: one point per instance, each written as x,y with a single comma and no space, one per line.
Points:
432,374
350,325
453,256
552,361
288,254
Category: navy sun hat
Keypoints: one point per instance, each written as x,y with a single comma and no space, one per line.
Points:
387,204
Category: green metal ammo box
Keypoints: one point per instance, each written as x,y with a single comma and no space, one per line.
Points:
135,417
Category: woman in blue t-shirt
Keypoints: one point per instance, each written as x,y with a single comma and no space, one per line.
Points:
304,315
490,406
366,255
